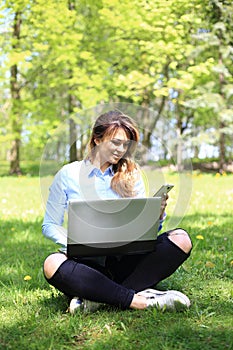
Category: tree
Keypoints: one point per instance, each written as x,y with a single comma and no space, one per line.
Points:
222,12
55,72
16,119
15,52
151,51
70,65
169,60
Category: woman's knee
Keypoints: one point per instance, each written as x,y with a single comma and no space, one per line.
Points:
181,238
52,263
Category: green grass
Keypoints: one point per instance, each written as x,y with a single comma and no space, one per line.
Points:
33,315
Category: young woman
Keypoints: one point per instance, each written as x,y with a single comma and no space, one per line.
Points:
123,281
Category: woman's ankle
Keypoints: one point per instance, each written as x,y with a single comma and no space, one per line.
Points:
139,302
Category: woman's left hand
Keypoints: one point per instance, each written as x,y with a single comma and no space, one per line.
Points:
163,205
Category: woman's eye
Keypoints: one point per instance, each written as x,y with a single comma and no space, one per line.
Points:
119,143
116,143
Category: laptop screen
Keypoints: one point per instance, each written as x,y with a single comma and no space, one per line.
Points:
119,226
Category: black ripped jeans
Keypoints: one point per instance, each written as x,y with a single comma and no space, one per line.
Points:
117,281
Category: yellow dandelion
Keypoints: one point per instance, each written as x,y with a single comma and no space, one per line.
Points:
27,278
231,263
209,264
209,223
217,175
199,237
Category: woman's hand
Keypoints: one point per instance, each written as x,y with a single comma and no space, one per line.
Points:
163,205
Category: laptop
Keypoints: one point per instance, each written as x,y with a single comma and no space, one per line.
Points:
112,226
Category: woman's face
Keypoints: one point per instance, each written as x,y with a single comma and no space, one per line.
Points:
112,148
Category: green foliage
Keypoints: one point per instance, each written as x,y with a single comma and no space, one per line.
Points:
212,101
174,58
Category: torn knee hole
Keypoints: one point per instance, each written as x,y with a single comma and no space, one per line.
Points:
177,233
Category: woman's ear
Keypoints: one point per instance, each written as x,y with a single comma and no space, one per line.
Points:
97,141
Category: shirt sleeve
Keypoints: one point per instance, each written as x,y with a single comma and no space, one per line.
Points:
55,209
161,222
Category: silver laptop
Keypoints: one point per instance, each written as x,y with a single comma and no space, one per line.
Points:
112,226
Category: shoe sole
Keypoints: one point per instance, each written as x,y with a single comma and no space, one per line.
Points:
177,305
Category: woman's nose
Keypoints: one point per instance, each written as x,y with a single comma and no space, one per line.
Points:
121,147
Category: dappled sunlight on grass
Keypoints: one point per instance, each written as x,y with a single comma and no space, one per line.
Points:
20,198
211,193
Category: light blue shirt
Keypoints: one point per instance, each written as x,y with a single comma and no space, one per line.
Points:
77,180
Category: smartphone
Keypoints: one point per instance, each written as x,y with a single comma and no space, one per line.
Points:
164,189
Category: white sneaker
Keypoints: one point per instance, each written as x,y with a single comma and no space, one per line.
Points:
83,305
75,305
170,300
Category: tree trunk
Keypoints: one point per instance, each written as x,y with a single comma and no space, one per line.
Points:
222,150
73,146
149,123
222,137
196,151
15,97
71,102
14,158
179,150
72,132
179,147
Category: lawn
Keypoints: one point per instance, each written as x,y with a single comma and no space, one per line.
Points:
33,315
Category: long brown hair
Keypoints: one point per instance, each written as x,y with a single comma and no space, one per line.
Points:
126,171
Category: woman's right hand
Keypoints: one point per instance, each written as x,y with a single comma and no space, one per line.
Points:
163,205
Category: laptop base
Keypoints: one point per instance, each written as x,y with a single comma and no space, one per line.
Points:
105,249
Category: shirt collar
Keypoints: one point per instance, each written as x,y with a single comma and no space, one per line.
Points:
92,170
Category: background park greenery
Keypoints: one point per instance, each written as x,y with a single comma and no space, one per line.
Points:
169,65
60,60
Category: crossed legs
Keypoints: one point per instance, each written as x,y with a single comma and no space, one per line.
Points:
74,278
